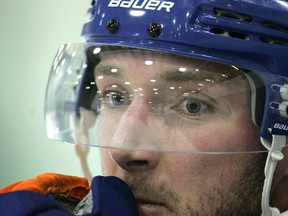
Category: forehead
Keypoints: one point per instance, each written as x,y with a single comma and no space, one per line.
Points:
150,58
139,64
141,55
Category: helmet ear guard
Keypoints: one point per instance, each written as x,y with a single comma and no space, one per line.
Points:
258,96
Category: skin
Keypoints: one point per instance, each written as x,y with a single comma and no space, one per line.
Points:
176,183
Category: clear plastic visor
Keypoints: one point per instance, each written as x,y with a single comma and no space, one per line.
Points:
145,100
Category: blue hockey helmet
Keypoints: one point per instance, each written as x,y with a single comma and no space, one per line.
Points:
248,35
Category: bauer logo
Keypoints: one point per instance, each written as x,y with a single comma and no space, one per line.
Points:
280,128
143,4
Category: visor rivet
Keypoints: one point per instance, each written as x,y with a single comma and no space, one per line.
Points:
113,26
154,29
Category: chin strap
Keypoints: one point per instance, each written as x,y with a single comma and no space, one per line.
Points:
275,154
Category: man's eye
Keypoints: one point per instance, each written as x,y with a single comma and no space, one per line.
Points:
193,107
114,99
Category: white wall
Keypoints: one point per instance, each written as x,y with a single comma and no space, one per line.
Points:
30,34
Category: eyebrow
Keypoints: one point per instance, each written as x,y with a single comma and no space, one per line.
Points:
177,76
106,70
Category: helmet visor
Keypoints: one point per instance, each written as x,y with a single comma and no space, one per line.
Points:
136,99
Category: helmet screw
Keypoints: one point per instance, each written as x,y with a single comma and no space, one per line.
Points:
113,26
154,29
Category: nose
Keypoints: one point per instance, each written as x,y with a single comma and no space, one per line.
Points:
136,139
135,161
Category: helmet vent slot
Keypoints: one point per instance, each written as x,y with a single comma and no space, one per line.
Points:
275,27
228,33
232,15
274,41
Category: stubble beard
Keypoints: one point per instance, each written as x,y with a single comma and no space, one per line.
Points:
243,198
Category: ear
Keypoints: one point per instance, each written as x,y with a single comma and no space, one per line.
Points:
279,196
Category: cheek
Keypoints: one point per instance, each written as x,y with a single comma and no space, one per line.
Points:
201,174
236,134
105,130
245,133
242,130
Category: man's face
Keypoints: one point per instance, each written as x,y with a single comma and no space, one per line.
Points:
153,103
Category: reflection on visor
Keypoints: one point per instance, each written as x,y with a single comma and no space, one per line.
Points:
136,99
